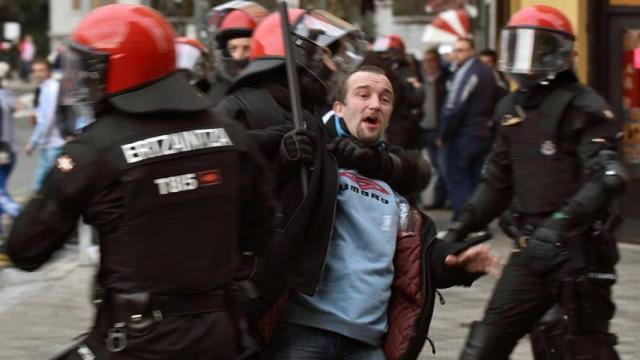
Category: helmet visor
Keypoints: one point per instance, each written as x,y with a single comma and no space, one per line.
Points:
346,42
321,27
187,56
534,51
350,52
84,77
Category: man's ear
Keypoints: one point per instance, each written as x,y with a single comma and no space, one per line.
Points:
337,107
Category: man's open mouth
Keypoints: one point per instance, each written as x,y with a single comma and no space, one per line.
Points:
371,120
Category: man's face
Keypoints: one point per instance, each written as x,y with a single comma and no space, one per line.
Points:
238,48
367,106
431,63
40,72
462,51
489,60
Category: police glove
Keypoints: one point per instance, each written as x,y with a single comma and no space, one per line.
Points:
351,154
297,147
457,232
552,229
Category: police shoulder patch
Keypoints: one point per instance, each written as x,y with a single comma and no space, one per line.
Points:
65,163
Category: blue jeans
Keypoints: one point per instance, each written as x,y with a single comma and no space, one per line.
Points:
7,204
298,342
46,160
437,163
464,158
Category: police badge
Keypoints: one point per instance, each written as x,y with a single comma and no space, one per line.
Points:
548,148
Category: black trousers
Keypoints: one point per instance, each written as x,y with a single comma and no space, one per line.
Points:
529,286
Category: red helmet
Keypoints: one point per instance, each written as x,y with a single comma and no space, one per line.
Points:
139,44
236,16
121,52
193,57
238,19
235,19
189,41
390,47
536,44
387,43
542,17
325,45
267,39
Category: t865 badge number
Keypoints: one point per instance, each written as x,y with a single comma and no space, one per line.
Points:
186,182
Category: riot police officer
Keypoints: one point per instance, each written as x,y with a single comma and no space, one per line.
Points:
176,192
230,27
555,163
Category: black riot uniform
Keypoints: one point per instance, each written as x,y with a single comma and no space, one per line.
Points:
554,165
174,199
554,160
176,193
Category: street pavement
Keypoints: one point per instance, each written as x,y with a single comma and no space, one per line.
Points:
42,312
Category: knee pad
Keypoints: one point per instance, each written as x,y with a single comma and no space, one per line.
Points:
485,343
549,334
592,347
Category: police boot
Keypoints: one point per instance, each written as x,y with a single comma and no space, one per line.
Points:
549,334
485,343
592,347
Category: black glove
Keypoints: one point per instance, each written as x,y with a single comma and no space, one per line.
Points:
453,236
351,154
297,147
457,232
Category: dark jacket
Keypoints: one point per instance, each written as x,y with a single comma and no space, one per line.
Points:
470,102
175,197
440,93
403,125
219,84
547,157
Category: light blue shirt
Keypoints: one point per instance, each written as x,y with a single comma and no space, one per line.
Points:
355,286
46,133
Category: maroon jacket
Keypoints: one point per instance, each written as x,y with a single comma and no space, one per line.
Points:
419,271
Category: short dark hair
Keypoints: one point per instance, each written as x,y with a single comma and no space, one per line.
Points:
341,94
490,52
43,61
468,41
433,51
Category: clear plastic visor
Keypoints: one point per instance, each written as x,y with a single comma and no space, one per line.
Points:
84,80
187,56
531,51
346,42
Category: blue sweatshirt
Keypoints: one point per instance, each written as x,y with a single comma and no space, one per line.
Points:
355,287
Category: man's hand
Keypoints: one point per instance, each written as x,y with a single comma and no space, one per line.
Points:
28,149
477,259
414,81
297,147
351,154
